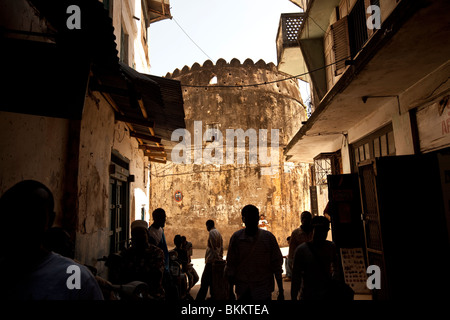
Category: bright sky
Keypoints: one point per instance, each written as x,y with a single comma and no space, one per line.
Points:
221,28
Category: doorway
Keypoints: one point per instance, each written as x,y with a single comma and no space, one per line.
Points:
119,192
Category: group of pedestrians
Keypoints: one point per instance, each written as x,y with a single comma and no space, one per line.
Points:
254,260
253,264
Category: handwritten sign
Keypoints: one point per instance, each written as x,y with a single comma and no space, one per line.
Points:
354,269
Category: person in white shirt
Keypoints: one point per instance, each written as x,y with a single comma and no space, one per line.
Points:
214,253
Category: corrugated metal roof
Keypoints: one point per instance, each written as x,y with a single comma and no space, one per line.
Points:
173,109
161,99
145,101
95,38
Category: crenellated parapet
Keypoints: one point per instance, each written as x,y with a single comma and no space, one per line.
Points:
235,74
254,110
222,63
241,95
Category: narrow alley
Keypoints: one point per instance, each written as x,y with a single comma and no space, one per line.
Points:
320,128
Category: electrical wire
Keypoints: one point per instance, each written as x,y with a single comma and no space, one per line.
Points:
158,175
192,40
265,82
309,16
254,84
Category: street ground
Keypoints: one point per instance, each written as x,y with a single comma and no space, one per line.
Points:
198,260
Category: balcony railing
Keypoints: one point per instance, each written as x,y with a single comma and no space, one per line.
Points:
288,29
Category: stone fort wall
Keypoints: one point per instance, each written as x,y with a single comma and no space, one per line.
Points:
219,191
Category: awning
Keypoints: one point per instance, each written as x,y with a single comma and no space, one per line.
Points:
157,10
152,106
50,77
397,56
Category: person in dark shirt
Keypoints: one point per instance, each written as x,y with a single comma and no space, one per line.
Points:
315,263
186,245
302,234
184,259
156,234
182,255
143,261
254,258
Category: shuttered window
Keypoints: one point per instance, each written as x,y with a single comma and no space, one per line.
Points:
124,47
350,33
341,46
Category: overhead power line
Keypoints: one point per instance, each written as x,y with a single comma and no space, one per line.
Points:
253,84
221,170
265,82
192,39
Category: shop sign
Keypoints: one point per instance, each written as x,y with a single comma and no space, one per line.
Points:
433,124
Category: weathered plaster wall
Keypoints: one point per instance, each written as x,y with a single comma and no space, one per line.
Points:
139,189
100,134
275,105
97,128
33,147
123,12
20,15
220,191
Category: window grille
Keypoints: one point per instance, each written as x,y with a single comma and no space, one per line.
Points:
357,27
291,27
322,167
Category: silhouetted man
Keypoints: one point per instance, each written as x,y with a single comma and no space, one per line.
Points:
30,271
143,261
214,253
157,237
315,263
253,259
298,236
156,233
